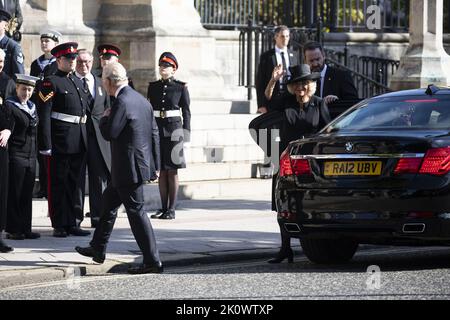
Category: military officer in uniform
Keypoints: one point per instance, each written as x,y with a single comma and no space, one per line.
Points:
110,53
14,56
62,138
170,100
99,150
22,159
41,67
6,126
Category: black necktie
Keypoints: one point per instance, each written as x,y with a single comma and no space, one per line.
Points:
88,92
283,61
318,88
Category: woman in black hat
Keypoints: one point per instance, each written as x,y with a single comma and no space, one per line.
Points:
170,100
304,115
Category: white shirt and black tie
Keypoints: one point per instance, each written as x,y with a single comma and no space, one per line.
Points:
282,56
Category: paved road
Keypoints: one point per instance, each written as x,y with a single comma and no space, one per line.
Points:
406,273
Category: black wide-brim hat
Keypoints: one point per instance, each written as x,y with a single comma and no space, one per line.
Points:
302,72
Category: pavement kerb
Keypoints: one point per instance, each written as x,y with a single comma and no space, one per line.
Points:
24,277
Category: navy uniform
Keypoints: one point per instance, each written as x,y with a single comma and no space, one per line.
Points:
170,100
6,123
22,163
14,56
62,136
13,7
42,67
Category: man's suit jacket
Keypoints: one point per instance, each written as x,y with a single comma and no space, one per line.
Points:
338,83
267,62
131,128
96,110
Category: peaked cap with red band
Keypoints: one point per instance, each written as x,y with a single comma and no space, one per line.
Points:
109,49
169,58
68,49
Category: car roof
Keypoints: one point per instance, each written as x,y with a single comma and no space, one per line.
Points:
414,92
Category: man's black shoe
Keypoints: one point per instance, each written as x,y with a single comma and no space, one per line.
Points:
78,232
168,215
32,235
158,214
90,252
4,248
15,236
144,268
59,233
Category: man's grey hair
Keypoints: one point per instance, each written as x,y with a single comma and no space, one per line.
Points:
86,51
2,54
115,72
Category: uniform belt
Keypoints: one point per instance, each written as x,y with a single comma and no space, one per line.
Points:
68,117
167,114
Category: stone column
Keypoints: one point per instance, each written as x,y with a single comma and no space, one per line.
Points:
425,61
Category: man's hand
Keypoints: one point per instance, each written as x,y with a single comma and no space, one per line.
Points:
262,110
4,137
277,73
330,99
107,112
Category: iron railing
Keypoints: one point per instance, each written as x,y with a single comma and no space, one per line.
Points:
336,15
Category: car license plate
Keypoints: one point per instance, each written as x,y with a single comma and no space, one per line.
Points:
353,168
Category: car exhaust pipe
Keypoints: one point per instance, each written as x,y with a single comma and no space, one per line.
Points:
292,227
413,227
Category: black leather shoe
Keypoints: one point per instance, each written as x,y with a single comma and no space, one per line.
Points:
15,236
32,235
90,252
158,214
283,254
168,215
59,233
78,232
144,268
4,248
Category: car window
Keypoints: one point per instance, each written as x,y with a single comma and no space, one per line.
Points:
411,112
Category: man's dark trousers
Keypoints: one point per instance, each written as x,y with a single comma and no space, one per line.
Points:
132,198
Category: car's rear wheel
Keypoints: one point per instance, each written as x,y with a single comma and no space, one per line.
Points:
324,251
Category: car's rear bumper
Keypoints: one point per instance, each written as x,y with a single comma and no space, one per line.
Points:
370,216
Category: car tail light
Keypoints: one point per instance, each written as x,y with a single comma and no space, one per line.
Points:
436,161
408,165
285,164
301,167
290,166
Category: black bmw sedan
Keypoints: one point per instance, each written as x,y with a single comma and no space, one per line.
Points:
378,174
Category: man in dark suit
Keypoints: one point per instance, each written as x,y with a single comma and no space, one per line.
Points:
14,56
99,150
334,83
62,138
278,56
131,128
13,8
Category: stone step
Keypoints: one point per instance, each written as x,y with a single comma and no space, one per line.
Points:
217,154
202,190
221,121
218,171
220,137
221,106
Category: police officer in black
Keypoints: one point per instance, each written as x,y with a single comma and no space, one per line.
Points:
14,56
62,138
6,126
170,100
22,159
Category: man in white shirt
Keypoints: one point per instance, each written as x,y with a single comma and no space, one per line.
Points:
99,151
